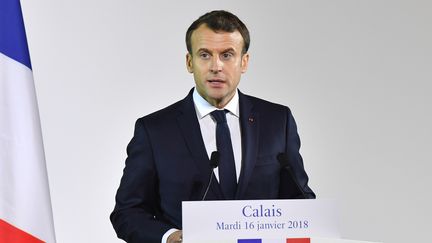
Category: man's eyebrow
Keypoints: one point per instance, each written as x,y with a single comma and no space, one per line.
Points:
229,50
203,50
208,51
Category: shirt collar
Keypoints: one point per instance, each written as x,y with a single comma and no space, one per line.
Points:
203,108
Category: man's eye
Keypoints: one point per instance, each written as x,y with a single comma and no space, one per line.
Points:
227,55
204,55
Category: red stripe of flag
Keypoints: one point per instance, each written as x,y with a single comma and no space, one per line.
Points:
298,240
11,234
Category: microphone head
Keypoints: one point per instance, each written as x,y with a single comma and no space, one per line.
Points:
214,159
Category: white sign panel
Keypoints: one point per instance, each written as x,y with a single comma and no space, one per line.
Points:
242,221
288,240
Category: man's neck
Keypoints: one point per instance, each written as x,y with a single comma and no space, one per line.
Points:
204,107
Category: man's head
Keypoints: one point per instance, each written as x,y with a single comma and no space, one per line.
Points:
217,55
219,21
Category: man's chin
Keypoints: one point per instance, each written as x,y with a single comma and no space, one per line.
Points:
219,101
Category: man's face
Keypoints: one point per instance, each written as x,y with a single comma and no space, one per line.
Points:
217,64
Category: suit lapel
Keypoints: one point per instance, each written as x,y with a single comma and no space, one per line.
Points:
249,125
190,129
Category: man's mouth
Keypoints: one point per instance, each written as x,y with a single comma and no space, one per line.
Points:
216,81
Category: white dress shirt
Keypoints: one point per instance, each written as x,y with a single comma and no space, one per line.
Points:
208,132
208,127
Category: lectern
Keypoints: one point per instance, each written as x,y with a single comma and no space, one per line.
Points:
262,221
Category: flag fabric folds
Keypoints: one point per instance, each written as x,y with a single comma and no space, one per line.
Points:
25,205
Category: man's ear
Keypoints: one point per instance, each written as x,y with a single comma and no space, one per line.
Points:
189,62
244,62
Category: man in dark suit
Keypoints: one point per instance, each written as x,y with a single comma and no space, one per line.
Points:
168,157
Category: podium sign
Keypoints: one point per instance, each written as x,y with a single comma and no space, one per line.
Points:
288,240
253,220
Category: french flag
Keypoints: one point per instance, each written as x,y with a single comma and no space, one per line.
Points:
25,205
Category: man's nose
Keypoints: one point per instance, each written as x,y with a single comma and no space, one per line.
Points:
216,65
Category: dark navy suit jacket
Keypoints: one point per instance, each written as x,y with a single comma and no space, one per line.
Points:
167,163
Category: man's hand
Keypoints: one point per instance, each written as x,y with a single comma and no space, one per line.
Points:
175,237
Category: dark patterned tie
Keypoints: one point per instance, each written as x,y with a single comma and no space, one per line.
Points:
227,171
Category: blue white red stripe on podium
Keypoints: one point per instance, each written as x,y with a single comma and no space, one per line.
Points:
288,240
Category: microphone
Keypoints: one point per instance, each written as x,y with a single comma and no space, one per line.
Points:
284,164
214,162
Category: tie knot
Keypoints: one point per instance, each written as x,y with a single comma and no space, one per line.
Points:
219,115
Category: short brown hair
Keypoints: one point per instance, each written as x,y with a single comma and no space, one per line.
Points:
219,20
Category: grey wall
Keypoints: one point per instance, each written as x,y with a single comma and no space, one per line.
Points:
355,73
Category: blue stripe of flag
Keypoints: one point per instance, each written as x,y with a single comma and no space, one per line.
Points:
249,241
13,41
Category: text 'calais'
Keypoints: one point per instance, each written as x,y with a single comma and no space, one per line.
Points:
261,211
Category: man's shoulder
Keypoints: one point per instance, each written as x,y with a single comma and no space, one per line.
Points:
262,104
169,112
